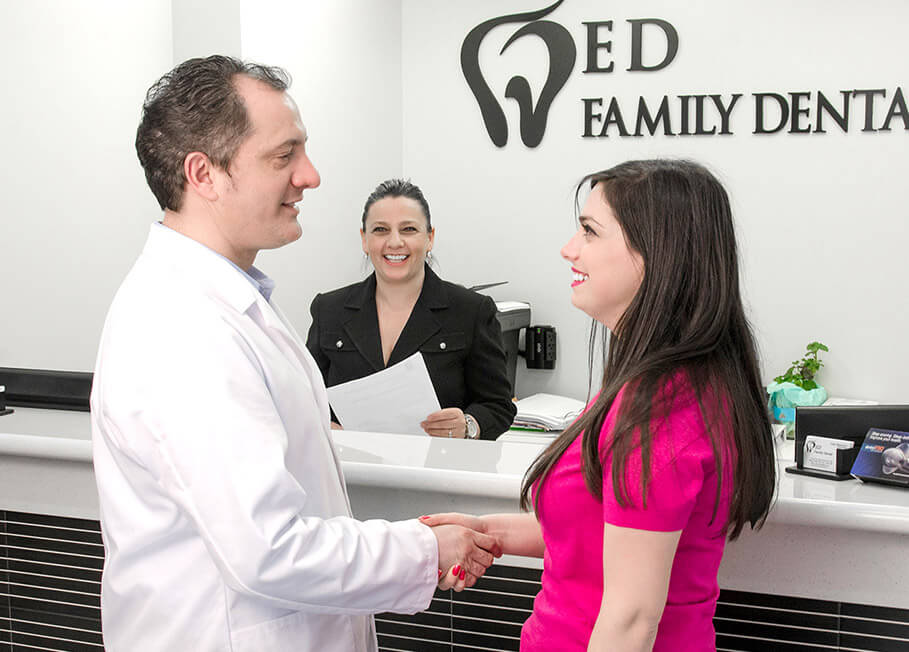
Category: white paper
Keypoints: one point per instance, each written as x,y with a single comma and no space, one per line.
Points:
547,411
505,306
394,400
834,401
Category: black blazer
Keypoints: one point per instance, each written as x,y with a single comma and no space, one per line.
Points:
454,328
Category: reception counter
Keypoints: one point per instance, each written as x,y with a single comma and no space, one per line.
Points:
828,549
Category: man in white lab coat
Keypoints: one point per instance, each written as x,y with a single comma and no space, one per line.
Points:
223,509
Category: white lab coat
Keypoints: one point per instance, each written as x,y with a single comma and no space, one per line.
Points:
223,509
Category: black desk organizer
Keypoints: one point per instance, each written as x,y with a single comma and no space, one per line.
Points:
3,408
842,422
40,388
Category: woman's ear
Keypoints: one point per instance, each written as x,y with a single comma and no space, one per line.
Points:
363,241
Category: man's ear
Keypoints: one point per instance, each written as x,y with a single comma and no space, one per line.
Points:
200,175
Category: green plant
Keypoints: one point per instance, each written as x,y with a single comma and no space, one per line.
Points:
802,371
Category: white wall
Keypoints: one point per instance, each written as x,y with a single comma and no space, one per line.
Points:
203,27
382,94
74,207
345,59
822,219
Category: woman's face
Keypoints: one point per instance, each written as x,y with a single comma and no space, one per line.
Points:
396,239
606,272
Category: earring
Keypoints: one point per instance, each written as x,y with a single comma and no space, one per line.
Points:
429,256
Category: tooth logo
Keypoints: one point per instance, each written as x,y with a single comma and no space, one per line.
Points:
562,55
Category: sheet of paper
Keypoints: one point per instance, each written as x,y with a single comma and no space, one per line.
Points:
395,399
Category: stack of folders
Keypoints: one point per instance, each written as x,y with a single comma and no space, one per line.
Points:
546,412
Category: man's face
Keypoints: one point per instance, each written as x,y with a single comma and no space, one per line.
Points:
257,195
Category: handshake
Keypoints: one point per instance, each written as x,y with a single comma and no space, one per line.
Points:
466,550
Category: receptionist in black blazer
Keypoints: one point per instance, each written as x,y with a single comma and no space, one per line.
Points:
403,308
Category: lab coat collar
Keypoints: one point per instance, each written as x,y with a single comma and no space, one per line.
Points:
219,278
196,263
200,264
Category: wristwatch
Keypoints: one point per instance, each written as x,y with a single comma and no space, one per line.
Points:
473,428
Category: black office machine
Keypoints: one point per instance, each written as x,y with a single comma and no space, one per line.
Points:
512,316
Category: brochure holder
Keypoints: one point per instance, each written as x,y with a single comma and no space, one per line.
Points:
842,422
884,458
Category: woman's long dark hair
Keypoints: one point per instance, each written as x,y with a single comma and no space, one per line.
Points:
687,317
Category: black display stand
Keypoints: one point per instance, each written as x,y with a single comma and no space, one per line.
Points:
826,475
46,388
842,422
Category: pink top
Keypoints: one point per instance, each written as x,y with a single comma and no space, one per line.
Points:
680,496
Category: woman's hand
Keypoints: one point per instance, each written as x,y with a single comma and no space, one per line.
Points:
517,534
449,422
336,426
455,518
464,555
457,577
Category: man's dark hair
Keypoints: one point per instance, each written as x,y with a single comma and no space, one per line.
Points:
398,188
195,108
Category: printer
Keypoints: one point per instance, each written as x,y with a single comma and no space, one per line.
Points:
512,316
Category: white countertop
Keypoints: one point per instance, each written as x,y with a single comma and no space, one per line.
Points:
485,468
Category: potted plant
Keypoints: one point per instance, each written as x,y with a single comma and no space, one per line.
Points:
797,386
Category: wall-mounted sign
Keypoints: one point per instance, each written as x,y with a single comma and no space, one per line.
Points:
561,62
691,114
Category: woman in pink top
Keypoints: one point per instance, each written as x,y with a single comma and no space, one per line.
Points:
634,501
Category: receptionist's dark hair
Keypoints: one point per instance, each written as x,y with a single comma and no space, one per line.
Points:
686,319
195,108
397,188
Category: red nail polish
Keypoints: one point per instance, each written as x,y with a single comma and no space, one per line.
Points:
456,570
423,518
440,572
462,574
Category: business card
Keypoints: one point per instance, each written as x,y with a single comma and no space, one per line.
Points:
820,452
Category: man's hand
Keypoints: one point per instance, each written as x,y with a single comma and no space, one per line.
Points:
464,553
